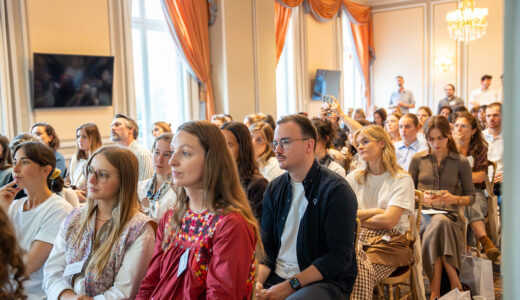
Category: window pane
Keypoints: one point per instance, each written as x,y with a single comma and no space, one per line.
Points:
136,8
154,10
139,78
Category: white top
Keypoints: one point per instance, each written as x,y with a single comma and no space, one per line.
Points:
127,281
482,97
76,174
144,158
337,168
165,202
495,150
383,191
41,223
270,170
70,196
287,261
404,153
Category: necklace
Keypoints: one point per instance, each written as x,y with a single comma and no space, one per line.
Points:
103,220
155,197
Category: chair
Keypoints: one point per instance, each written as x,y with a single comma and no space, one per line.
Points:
358,230
492,219
403,275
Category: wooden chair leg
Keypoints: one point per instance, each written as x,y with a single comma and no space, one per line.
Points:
398,292
391,291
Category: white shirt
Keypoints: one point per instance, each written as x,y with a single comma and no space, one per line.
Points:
287,261
41,223
165,202
384,191
144,158
495,150
127,281
482,97
404,153
270,170
76,174
336,168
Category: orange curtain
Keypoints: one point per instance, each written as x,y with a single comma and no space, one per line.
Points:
188,22
324,10
282,17
289,3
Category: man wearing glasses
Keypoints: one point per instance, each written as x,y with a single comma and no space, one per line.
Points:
308,222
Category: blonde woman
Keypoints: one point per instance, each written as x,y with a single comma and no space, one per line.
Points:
104,248
385,195
262,135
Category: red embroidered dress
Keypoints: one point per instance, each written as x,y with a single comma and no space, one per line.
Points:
220,263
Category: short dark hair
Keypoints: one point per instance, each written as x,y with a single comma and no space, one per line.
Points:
460,109
130,121
54,143
484,77
307,129
495,104
399,76
452,86
444,107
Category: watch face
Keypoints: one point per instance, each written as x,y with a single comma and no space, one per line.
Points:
295,283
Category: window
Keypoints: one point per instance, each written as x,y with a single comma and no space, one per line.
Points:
159,74
353,82
285,76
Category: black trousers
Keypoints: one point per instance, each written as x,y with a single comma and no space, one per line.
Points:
318,290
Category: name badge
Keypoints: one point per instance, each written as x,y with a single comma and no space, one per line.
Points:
183,262
73,268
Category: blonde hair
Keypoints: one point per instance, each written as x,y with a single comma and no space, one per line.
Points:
267,133
125,208
388,159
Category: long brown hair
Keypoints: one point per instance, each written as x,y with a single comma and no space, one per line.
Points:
477,139
54,143
247,166
12,268
441,123
223,191
94,140
125,208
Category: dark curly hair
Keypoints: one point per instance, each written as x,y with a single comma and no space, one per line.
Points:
12,268
247,166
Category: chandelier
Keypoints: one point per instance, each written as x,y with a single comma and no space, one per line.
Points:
467,23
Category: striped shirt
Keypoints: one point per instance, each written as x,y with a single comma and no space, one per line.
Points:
144,158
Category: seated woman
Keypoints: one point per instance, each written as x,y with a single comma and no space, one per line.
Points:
445,111
471,144
38,216
103,248
392,127
205,246
49,137
325,136
385,195
262,136
380,117
6,161
88,141
239,142
441,171
157,194
423,114
159,128
12,269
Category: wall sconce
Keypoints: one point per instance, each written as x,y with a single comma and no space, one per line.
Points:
443,64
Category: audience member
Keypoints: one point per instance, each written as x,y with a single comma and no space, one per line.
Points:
6,161
495,140
37,217
445,111
482,117
423,114
450,100
48,136
219,120
325,135
359,114
340,135
262,136
410,143
109,240
380,117
308,223
460,109
392,127
241,147
124,132
157,194
483,94
159,128
385,196
402,98
205,246
471,144
88,140
439,172
12,269
253,118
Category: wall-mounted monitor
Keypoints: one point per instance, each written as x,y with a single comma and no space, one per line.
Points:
61,80
326,83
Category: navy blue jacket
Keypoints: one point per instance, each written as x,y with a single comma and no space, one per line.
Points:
327,229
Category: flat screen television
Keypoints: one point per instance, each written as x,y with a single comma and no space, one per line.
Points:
61,80
326,83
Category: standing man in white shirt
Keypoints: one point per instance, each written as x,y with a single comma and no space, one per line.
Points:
409,144
402,98
124,132
493,135
483,94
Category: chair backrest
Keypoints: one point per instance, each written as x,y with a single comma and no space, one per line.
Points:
490,183
419,199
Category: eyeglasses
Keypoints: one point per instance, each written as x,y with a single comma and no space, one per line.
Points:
285,143
102,176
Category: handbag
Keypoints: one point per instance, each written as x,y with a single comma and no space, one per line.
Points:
477,273
455,294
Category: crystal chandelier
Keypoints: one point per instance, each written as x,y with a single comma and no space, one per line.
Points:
467,23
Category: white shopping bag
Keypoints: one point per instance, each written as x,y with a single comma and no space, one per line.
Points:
477,273
455,294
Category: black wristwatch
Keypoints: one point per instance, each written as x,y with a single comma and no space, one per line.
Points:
295,283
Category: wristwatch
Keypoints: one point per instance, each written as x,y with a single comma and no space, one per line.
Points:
295,283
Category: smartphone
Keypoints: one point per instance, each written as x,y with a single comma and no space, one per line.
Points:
327,99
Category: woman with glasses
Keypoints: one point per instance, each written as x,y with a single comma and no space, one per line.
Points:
240,144
37,217
471,144
206,244
262,136
445,176
157,194
104,248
